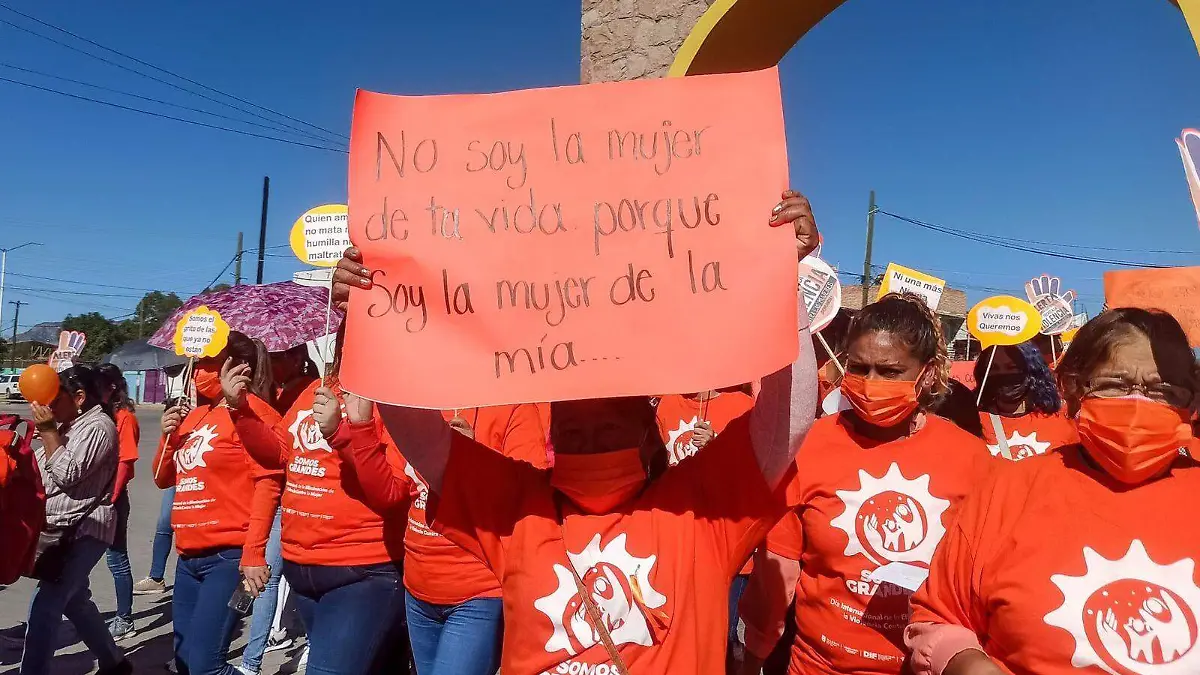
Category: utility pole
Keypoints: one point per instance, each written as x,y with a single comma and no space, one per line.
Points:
262,228
4,268
237,265
866,278
12,346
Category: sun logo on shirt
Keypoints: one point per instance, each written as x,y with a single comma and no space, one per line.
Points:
1131,616
618,583
306,433
679,441
891,518
1021,447
198,444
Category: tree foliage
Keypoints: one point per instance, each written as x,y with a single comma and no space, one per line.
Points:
104,335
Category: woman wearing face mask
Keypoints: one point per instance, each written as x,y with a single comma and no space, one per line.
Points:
1081,561
609,563
876,487
115,393
224,504
340,551
293,373
78,463
1020,410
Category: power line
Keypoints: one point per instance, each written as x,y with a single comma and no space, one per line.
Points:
159,69
172,117
994,241
88,283
83,293
156,100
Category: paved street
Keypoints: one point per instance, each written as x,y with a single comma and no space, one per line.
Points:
152,647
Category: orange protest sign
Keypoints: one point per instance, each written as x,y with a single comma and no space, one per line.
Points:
599,240
1174,290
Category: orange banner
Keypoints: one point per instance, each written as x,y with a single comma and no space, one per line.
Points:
551,244
1175,290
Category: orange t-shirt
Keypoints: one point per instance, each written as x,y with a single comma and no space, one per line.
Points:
1029,435
861,507
1058,568
215,479
659,567
436,570
128,435
325,520
678,416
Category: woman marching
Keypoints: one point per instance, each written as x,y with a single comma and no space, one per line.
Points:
224,504
340,555
1020,409
1082,561
875,489
115,393
78,463
608,563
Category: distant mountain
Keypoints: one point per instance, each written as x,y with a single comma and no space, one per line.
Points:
43,332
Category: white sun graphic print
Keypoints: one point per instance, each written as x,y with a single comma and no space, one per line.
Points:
679,441
619,584
198,444
306,433
1131,616
1021,447
891,519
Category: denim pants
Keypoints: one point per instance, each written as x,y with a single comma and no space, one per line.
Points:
69,596
263,615
118,559
347,611
736,589
455,639
203,621
163,535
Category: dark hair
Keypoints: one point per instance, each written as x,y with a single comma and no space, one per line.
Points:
83,378
1094,343
1041,392
253,353
113,377
958,406
907,317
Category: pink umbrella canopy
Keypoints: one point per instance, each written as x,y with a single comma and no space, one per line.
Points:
282,315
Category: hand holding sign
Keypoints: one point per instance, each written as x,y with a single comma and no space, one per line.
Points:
70,346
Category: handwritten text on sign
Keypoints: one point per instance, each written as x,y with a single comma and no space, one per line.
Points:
1175,290
600,240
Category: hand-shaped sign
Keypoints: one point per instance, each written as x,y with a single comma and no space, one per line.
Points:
1189,151
1056,305
70,346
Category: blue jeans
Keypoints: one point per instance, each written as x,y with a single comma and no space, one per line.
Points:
455,639
118,560
264,605
736,589
163,534
69,596
203,621
347,611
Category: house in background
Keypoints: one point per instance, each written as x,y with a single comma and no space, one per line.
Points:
33,346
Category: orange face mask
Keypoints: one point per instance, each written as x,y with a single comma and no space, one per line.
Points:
599,483
208,381
1132,438
883,403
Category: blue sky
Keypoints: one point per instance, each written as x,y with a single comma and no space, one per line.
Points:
1035,119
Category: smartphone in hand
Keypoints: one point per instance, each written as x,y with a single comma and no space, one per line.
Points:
242,600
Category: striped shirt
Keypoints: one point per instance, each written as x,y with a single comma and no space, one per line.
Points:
79,473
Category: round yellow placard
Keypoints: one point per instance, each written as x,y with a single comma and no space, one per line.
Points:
201,333
321,235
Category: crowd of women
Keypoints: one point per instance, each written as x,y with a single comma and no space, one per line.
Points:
1036,526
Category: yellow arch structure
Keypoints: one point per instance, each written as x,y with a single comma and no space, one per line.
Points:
741,35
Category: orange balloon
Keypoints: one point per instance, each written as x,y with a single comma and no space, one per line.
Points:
39,384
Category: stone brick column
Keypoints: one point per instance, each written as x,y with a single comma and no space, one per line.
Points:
631,39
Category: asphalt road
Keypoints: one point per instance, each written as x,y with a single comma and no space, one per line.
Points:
152,647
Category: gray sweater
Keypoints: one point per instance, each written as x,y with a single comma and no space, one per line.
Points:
82,471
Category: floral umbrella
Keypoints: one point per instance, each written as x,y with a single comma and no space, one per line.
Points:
282,315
